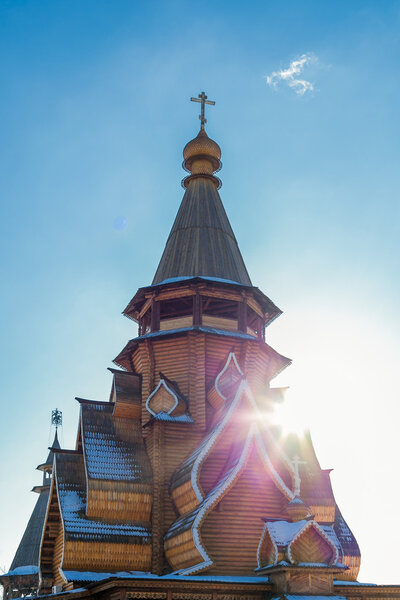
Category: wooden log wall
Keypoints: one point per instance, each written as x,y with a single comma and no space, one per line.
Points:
353,563
158,463
220,454
303,582
179,441
50,536
181,551
57,556
253,497
193,360
197,378
176,323
220,322
323,513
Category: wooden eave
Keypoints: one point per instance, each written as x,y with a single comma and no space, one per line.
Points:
44,467
107,587
366,590
40,488
123,359
85,401
268,570
64,451
200,284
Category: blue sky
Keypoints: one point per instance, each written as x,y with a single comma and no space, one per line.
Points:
95,113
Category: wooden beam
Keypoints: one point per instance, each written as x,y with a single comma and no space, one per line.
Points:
242,316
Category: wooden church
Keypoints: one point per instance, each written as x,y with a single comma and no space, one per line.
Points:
180,487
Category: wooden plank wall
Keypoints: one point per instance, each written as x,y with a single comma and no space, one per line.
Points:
311,547
253,497
212,469
57,556
111,556
109,497
51,535
179,443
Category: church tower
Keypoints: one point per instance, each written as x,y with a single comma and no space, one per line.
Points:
180,485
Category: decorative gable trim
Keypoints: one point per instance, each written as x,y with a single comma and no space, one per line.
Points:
162,383
283,542
260,545
321,532
211,501
211,441
231,358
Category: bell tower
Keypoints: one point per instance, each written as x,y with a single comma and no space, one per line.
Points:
200,307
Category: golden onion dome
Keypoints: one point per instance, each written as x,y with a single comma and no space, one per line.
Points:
202,145
202,154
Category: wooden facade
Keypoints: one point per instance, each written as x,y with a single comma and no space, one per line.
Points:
180,486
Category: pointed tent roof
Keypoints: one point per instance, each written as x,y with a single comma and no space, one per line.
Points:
201,242
28,551
49,460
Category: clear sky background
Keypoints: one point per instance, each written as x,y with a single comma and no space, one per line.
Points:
95,112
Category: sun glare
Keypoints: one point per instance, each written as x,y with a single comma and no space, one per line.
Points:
288,415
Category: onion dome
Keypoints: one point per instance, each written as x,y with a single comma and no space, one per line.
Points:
297,510
201,158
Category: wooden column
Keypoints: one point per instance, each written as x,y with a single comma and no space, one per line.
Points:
242,316
260,329
197,309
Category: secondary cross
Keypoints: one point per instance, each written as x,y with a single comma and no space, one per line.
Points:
202,98
296,462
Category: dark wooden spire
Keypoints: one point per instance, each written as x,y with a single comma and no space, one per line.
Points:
29,548
201,242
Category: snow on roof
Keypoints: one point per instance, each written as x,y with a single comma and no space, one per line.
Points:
26,570
338,582
296,500
235,334
164,416
114,448
283,532
90,576
72,495
178,279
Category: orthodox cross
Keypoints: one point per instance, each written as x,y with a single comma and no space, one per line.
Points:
56,418
296,462
202,98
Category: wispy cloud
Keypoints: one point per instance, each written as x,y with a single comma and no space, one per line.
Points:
290,76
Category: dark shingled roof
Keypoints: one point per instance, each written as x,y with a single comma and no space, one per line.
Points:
345,536
71,486
28,550
29,547
201,242
113,446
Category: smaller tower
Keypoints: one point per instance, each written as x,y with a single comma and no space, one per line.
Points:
23,577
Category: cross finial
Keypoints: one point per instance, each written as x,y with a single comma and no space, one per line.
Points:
297,482
202,98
